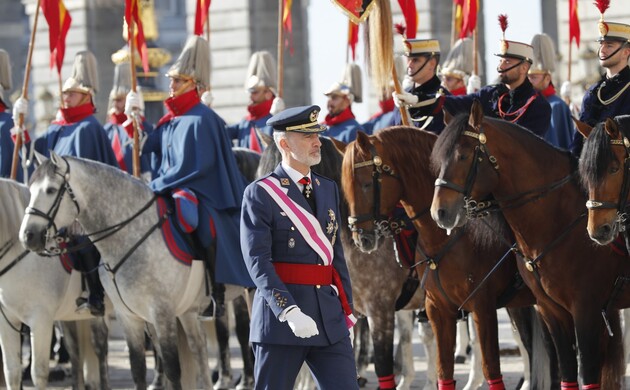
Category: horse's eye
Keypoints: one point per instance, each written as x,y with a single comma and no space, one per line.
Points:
613,168
462,156
366,186
51,191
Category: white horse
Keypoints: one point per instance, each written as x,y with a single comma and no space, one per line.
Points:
36,291
143,280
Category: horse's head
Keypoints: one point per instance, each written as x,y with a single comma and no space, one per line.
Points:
605,172
52,204
467,170
371,190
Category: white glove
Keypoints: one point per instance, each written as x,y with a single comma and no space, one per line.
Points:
302,325
474,84
207,98
565,90
20,107
277,106
351,330
132,103
404,99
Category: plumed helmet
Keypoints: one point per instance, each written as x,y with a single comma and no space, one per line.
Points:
350,84
5,74
459,61
193,62
122,80
544,55
84,76
262,72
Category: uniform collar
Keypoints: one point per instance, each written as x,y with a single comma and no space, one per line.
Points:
430,86
294,175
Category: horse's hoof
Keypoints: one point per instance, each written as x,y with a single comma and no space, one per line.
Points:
459,359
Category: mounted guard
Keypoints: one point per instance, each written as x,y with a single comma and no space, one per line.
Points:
340,120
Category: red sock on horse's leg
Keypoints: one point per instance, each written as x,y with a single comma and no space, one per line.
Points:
496,384
446,384
386,382
593,386
569,386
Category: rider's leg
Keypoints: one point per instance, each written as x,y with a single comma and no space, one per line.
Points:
87,260
216,308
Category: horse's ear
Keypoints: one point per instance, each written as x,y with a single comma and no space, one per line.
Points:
447,116
56,159
611,128
363,140
476,115
264,138
340,145
582,127
39,158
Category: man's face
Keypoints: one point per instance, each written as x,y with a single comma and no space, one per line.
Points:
540,81
259,95
606,48
178,86
512,75
74,99
118,104
337,104
304,148
415,63
452,83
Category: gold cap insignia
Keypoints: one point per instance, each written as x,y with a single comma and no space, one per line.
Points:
504,46
313,116
603,28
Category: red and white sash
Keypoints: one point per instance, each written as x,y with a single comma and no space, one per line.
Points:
312,232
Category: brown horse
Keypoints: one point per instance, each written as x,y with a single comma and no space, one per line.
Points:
577,285
379,171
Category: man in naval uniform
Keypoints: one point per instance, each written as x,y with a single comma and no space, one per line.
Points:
261,84
561,128
610,96
195,156
119,127
513,99
423,58
302,308
340,120
76,132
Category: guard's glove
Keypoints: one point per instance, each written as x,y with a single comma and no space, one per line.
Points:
277,106
404,99
351,330
302,325
565,90
26,138
474,84
20,107
132,103
207,98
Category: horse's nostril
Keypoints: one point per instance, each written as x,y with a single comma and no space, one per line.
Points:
605,230
29,235
441,213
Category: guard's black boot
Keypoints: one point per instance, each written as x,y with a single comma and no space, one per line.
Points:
216,308
87,262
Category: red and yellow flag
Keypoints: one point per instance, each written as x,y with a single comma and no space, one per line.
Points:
469,17
287,25
201,15
132,15
59,20
410,13
574,23
458,16
353,38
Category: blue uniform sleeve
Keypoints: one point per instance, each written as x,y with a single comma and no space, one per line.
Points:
339,260
256,241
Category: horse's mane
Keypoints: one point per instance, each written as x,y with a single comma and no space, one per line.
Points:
15,198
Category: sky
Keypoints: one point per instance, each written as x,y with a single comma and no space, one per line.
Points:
328,31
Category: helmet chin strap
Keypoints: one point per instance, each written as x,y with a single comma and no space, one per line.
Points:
183,87
610,55
499,70
422,67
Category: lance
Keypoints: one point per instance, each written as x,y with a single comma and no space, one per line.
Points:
27,75
134,117
280,46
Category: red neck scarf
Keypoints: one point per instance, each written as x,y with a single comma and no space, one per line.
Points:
342,117
117,119
75,114
3,108
550,90
257,111
459,91
385,107
179,105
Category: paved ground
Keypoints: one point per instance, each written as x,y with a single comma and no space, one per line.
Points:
511,366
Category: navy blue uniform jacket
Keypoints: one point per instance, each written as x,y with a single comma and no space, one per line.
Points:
268,236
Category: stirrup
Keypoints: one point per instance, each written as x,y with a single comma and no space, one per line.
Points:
212,311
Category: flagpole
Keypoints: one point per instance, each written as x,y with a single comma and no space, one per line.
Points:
60,89
280,47
475,51
27,75
209,86
567,99
453,27
134,118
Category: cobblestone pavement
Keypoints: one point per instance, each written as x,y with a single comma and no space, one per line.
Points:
511,366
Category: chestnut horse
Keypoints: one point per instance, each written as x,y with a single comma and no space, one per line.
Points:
578,286
393,166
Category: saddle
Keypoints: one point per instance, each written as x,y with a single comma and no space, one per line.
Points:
180,242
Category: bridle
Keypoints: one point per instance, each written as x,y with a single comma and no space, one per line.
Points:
622,204
383,225
473,208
